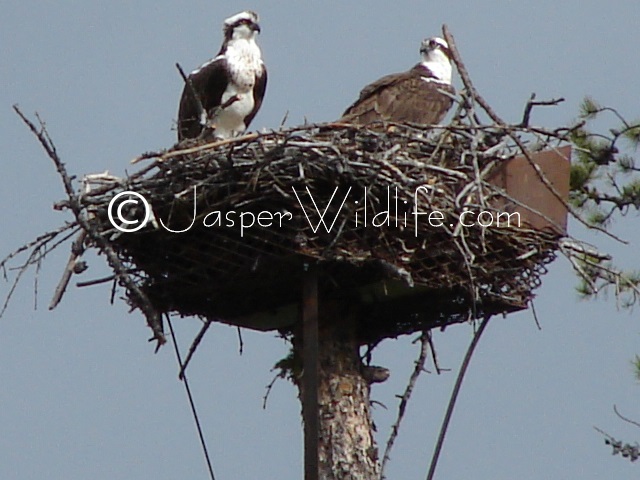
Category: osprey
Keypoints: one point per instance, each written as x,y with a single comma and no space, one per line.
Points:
420,95
230,86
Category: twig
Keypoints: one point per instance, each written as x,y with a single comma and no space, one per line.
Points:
39,241
97,281
534,103
198,148
36,246
434,355
580,271
202,113
417,370
166,154
240,341
603,433
466,79
269,387
464,75
535,315
77,249
454,397
284,119
584,249
35,282
14,285
194,346
153,317
632,422
632,452
113,290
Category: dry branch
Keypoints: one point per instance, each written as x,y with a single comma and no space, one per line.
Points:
77,249
404,399
202,113
37,250
140,299
471,90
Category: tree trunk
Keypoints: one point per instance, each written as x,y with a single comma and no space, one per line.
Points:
347,450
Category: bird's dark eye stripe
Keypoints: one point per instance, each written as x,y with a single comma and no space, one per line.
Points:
434,44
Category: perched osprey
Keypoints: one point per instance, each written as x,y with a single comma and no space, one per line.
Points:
413,96
230,86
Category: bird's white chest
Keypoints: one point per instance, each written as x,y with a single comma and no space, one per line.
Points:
234,115
244,63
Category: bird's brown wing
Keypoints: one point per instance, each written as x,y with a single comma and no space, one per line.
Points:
401,97
210,82
259,90
365,104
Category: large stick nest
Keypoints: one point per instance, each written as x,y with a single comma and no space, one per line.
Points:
401,275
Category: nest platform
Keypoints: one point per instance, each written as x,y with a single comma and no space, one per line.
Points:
248,212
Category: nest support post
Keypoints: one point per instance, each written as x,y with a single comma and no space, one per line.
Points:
339,442
310,372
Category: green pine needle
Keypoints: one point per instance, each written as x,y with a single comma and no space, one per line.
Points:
626,163
632,134
636,367
631,193
581,174
597,217
589,108
584,290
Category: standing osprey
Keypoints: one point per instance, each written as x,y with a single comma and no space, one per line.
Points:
230,86
413,96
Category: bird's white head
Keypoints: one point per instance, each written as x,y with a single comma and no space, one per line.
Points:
436,57
243,25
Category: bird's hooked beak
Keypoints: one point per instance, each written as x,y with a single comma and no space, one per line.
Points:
255,27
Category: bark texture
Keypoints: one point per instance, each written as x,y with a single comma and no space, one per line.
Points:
347,450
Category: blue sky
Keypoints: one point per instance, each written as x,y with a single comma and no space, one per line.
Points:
83,395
